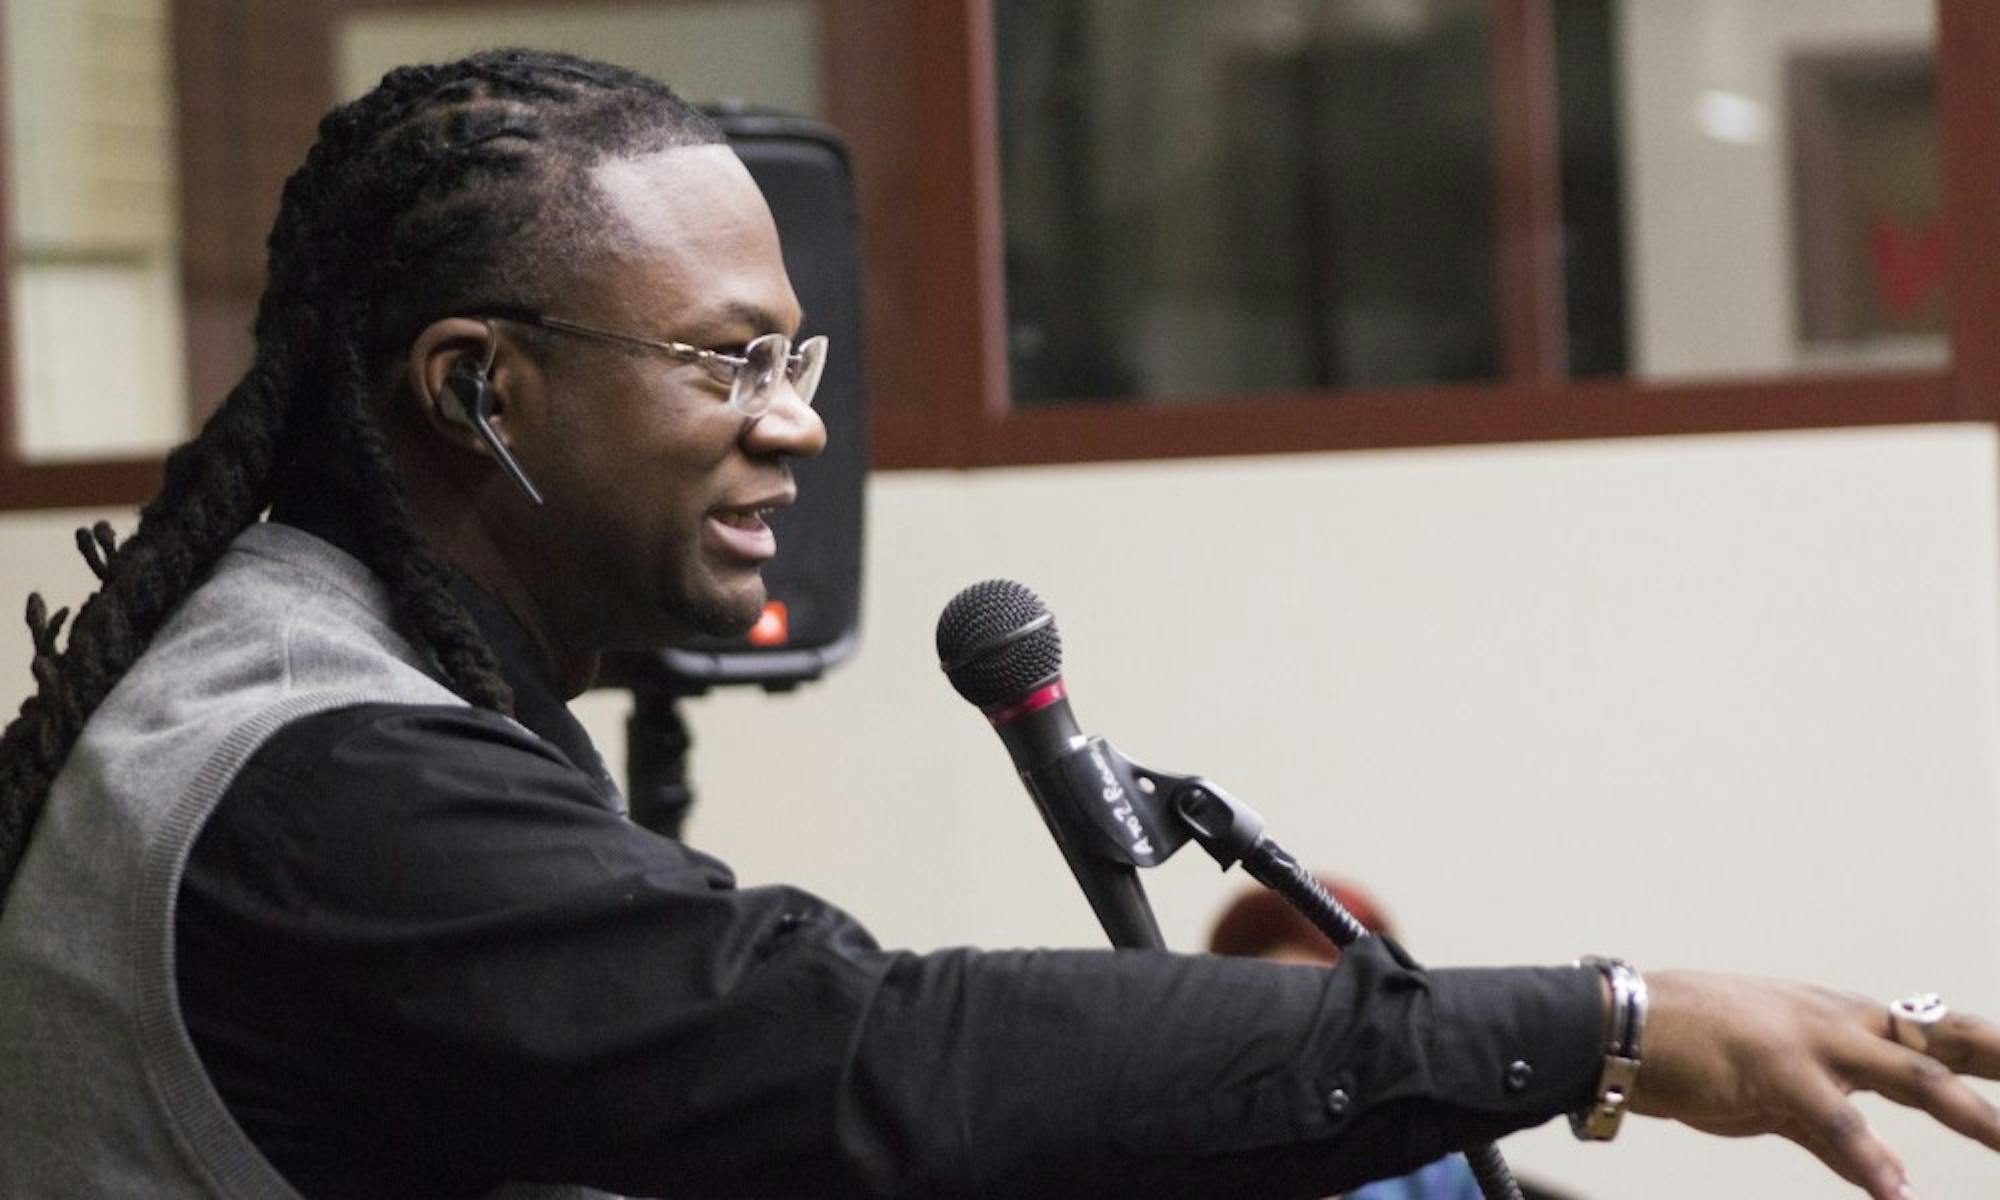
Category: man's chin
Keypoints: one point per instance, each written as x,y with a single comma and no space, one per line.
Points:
715,612
728,614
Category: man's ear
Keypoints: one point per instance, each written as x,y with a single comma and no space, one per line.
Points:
452,365
460,379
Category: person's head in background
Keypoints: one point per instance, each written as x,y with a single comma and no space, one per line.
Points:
1260,924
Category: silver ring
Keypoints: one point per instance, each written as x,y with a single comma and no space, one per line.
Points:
1913,1017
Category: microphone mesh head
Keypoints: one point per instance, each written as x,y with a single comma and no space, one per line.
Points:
997,642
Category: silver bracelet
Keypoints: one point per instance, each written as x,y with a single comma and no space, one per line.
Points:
1598,1121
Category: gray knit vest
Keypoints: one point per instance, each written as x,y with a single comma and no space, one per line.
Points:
101,1092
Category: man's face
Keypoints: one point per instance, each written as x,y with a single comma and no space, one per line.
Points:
655,488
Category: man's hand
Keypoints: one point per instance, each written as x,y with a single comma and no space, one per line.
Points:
1736,1056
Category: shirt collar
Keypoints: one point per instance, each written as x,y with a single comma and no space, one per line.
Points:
537,704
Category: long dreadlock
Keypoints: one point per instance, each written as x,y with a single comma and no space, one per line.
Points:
442,189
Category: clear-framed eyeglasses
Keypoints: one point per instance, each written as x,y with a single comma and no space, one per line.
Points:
752,376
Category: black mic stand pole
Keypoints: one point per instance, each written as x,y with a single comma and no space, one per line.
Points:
657,742
1232,833
1109,812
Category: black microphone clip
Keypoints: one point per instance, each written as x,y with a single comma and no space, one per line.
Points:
1138,816
1122,820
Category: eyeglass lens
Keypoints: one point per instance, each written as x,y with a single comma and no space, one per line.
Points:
767,360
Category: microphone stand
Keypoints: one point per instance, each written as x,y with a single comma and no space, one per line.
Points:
1270,865
1146,815
657,742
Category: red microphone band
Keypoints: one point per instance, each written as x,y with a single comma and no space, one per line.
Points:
1034,701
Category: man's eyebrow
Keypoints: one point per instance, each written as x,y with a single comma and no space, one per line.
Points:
737,314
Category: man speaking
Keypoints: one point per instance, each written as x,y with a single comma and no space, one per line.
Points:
314,888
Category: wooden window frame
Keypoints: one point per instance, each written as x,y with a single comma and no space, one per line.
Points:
923,137
929,177
25,485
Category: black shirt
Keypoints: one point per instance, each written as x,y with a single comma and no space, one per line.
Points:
420,952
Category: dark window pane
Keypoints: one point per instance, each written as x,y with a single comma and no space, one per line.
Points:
1222,196
1592,187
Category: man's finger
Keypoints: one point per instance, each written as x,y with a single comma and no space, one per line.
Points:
1922,1082
1968,1044
1829,1125
1827,1155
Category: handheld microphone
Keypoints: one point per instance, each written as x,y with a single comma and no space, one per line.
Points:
998,644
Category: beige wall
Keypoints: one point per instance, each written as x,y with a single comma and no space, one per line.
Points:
1723,701
1720,701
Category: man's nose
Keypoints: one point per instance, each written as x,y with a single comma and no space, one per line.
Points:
789,426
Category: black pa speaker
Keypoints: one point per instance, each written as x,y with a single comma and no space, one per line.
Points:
812,619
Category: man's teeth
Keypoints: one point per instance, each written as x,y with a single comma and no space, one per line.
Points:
743,518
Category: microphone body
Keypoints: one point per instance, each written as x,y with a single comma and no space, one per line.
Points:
1040,742
999,645
1037,728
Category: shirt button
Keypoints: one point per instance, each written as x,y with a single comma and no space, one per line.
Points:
1518,1075
1337,1102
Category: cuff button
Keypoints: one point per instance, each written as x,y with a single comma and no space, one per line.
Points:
1519,1075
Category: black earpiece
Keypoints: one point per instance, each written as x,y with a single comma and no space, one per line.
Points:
468,401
